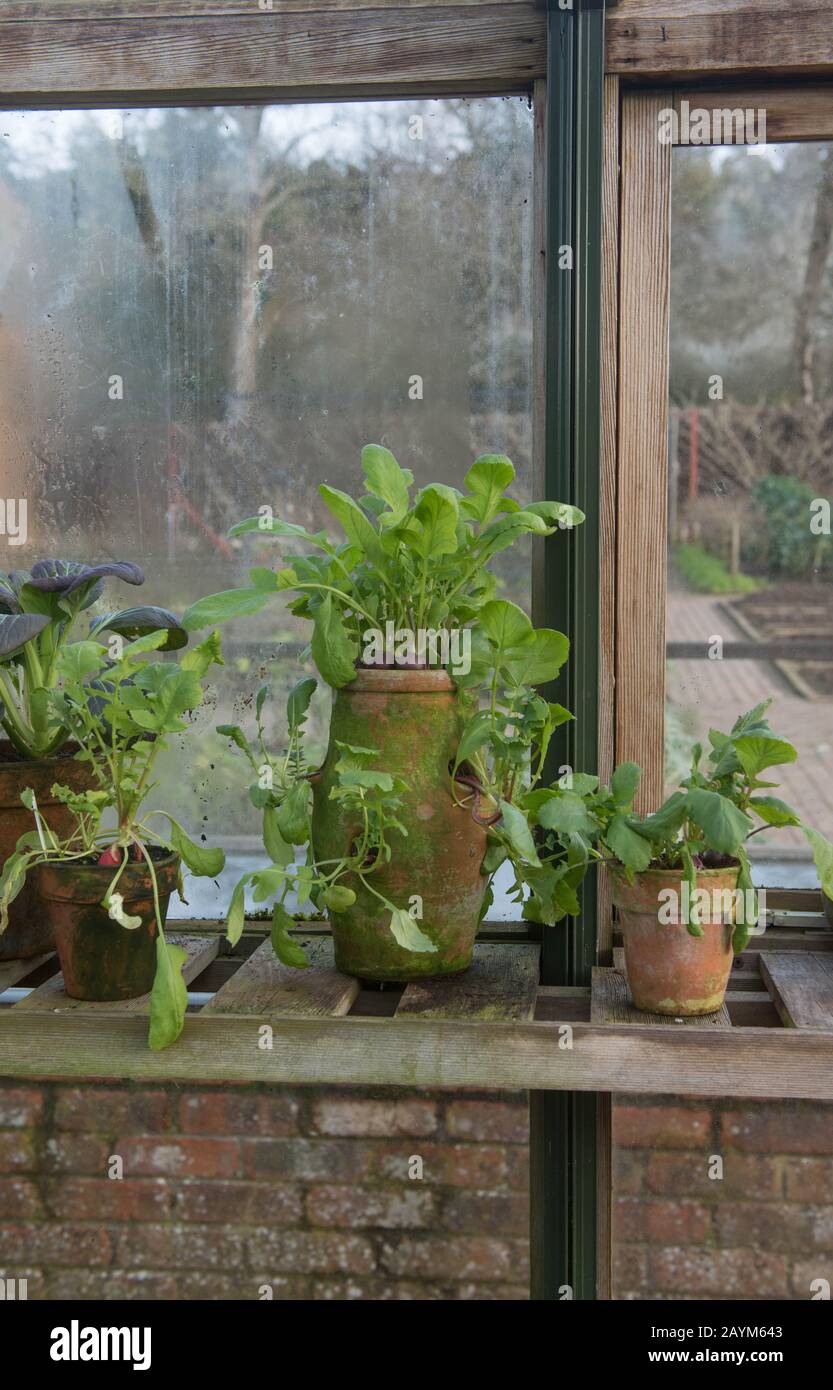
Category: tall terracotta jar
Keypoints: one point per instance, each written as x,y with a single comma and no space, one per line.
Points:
670,971
29,932
413,718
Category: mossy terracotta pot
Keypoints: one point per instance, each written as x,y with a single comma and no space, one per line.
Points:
101,960
413,718
670,971
29,932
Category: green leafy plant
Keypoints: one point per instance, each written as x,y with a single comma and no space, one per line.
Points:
282,792
121,712
708,821
707,573
783,540
38,613
418,563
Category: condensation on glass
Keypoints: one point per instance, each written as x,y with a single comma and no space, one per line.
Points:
751,464
203,311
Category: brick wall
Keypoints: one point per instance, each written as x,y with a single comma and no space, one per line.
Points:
757,1225
227,1190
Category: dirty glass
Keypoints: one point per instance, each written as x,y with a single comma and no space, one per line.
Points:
751,465
203,311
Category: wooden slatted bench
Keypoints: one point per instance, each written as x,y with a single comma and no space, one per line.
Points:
494,1027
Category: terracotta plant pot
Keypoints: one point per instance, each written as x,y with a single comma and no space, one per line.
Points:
29,932
413,718
670,971
100,959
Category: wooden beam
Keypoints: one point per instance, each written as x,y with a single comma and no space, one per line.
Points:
644,235
767,1063
496,47
802,112
700,37
53,10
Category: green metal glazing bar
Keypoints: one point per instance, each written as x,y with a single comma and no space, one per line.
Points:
563,1125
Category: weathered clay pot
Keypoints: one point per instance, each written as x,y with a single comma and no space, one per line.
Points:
670,971
100,959
29,932
413,718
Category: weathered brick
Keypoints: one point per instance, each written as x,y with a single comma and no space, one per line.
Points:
311,1252
112,1284
226,1112
661,1222
488,1120
794,1129
457,1258
50,1243
630,1268
359,1207
76,1153
312,1160
20,1107
737,1274
19,1199
629,1168
17,1153
809,1179
104,1110
670,1174
179,1157
660,1127
282,1288
374,1118
109,1199
486,1213
806,1275
179,1247
454,1165
249,1203
765,1226
490,1293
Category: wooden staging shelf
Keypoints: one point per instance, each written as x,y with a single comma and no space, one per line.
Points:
495,1027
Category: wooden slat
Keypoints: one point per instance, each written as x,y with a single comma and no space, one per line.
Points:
803,112
13,970
500,984
607,477
497,45
693,39
611,1002
51,996
262,985
171,9
801,985
767,1063
643,446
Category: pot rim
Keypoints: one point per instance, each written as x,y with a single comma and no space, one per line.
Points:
69,865
65,753
134,880
401,680
619,873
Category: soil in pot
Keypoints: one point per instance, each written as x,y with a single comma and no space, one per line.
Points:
670,971
29,932
101,960
413,718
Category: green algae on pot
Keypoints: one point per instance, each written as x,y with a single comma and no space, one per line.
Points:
669,970
413,719
29,932
427,789
100,960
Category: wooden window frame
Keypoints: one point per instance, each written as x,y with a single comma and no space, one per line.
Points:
639,475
